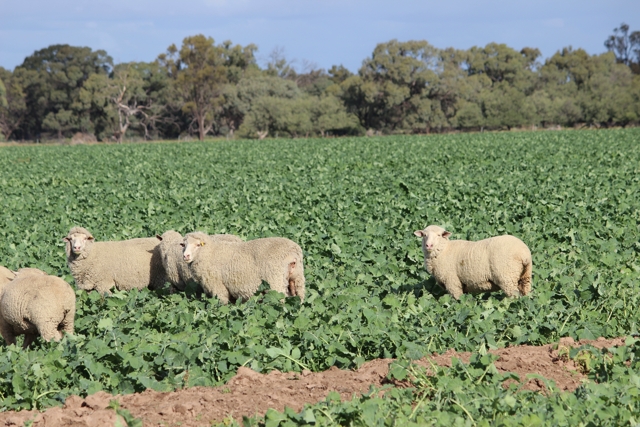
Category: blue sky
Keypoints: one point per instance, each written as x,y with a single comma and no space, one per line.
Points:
323,32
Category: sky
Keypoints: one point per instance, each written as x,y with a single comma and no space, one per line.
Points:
320,33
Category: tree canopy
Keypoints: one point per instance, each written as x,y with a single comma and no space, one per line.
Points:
203,88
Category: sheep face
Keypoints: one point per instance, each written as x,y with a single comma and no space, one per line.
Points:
191,247
434,238
77,242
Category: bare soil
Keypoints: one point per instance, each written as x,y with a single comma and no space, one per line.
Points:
250,393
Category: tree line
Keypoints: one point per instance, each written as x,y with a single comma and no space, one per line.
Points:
204,88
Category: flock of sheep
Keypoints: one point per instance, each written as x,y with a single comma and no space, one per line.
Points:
34,303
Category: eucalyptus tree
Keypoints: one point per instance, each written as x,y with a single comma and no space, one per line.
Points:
263,104
626,46
13,108
3,95
390,91
52,90
201,70
511,77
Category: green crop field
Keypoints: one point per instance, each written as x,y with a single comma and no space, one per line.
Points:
352,205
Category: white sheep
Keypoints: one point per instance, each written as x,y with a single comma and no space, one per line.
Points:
178,272
497,263
126,264
235,270
33,303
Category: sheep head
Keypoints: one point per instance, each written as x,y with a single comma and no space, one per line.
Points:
77,241
434,238
192,243
170,236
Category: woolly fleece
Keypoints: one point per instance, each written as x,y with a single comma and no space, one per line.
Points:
461,266
36,303
178,272
236,270
125,264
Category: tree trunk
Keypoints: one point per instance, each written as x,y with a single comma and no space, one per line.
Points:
201,128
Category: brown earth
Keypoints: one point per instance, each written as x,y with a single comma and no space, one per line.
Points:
250,393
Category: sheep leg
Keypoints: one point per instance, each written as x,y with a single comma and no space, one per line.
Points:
49,330
509,284
28,339
7,332
292,287
217,289
453,285
511,290
104,288
67,323
524,282
296,280
279,280
292,283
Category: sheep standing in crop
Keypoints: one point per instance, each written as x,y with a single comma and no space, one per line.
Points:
178,272
126,264
498,263
235,270
33,303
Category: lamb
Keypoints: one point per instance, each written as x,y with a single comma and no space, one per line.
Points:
126,264
178,272
36,303
235,270
497,263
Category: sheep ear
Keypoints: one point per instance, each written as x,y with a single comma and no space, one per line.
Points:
66,239
159,237
419,233
182,244
89,237
446,234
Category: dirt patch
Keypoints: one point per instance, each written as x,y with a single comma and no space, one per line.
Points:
250,393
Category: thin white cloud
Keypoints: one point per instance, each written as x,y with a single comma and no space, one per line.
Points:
554,23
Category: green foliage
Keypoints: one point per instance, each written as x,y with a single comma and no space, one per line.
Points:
129,420
3,95
625,46
352,205
57,74
404,87
200,70
13,107
478,394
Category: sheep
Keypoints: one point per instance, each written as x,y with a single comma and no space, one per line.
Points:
235,270
36,303
497,263
126,264
178,273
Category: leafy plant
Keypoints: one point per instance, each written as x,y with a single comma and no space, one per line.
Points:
352,205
